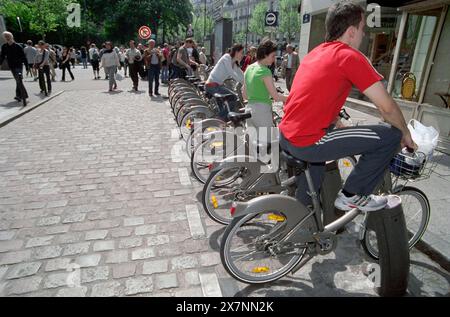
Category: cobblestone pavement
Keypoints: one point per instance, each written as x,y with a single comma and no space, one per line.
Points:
95,202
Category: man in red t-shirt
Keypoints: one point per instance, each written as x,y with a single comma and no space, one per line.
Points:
320,88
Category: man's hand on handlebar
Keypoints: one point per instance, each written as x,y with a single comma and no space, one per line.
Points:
407,142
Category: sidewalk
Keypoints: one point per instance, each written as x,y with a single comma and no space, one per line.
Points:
93,202
83,81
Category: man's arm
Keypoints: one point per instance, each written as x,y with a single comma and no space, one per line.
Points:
390,111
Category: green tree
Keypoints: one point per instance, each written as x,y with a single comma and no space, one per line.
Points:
239,37
257,22
289,18
199,27
11,9
48,16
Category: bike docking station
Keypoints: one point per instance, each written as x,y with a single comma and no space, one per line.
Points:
311,231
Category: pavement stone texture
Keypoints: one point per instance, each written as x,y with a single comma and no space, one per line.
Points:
93,203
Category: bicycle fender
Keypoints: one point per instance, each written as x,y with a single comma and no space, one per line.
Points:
200,108
290,207
248,162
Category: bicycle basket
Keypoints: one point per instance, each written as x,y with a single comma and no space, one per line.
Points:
410,166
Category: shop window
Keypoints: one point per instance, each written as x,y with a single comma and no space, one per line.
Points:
415,53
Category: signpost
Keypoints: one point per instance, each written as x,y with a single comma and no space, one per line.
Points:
145,32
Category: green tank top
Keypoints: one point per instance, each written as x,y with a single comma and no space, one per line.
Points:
256,89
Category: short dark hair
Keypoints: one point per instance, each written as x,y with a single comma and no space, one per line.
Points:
30,42
265,49
41,42
235,49
340,17
189,40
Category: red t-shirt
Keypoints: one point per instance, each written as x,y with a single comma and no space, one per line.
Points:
320,88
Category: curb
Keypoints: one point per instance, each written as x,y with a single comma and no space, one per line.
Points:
16,116
434,255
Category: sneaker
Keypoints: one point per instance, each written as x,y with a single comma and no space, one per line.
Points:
363,203
157,94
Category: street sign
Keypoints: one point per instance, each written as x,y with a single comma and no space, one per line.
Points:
306,18
145,32
271,18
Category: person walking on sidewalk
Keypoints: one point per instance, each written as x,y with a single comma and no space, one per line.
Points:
110,62
123,60
30,53
153,61
42,64
15,56
53,63
290,64
84,57
94,56
323,82
65,64
134,57
73,56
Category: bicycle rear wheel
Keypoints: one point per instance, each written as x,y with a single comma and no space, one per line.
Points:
250,251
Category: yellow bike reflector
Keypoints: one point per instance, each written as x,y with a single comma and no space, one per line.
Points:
276,218
216,144
214,201
261,269
188,123
347,164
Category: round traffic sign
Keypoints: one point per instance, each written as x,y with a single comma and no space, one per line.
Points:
271,18
145,32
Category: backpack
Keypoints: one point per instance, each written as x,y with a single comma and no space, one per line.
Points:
95,56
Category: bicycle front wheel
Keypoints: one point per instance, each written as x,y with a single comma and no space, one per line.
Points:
417,211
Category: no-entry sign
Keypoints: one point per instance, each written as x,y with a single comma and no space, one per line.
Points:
145,32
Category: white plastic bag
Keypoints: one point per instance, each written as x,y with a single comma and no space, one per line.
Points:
425,137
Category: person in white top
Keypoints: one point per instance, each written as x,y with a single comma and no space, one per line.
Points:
226,68
134,56
110,61
41,64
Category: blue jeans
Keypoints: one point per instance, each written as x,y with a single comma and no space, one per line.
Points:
223,111
165,74
153,75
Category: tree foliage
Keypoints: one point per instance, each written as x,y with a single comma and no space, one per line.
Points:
289,18
257,22
117,20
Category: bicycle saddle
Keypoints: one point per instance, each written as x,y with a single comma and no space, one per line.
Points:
227,96
237,118
292,161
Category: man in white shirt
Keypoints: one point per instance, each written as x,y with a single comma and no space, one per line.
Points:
30,54
134,56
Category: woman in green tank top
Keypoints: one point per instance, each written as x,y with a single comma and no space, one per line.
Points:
259,89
